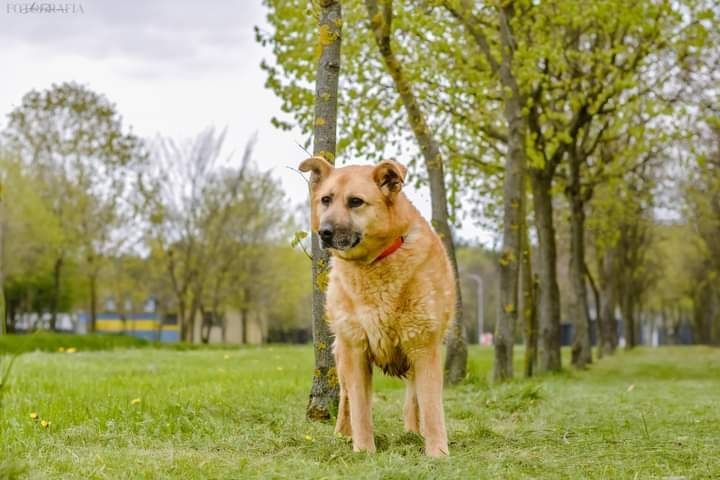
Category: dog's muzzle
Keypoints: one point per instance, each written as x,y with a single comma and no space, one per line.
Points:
338,238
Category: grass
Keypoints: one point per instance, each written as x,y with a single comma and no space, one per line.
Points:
157,413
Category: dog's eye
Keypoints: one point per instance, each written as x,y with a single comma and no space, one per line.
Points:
326,200
355,202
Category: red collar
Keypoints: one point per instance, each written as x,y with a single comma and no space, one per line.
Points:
391,249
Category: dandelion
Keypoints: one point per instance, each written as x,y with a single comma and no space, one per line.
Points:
308,438
34,415
135,401
71,350
61,349
45,423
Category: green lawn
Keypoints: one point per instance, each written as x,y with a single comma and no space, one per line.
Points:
156,413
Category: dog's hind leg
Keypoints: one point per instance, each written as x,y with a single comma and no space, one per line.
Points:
356,375
410,410
342,426
429,385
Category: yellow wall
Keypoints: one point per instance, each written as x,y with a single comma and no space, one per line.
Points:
117,325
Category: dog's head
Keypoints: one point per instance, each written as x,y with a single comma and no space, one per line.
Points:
353,207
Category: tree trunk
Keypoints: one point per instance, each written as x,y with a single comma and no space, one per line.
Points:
324,392
581,350
628,313
244,323
205,326
549,292
714,319
598,310
192,318
93,301
3,303
55,299
706,314
381,23
527,285
184,321
607,325
513,200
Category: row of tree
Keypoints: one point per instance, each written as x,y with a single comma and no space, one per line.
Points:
91,212
532,113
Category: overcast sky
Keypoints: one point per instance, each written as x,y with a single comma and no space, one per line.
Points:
171,67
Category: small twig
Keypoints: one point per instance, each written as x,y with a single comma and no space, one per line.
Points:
304,149
298,172
309,256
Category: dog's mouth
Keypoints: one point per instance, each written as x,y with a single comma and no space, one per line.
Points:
343,242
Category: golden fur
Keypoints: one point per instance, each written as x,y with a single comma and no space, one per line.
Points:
392,312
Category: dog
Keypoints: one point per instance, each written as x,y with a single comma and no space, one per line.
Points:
390,295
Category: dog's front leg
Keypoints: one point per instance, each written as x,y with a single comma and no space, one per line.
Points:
356,376
410,410
429,385
342,426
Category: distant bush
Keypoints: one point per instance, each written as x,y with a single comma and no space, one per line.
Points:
54,342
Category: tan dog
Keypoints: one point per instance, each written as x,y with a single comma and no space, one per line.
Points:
390,298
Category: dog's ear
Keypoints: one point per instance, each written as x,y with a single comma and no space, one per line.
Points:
389,176
319,167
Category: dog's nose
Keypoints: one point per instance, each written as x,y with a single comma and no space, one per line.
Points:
325,232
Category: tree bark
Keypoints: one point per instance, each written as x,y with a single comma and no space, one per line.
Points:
513,200
549,292
381,24
324,392
581,350
527,284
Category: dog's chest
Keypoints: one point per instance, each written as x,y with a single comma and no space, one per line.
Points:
380,327
383,316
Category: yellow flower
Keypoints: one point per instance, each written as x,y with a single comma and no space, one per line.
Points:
61,349
308,438
34,415
71,350
135,401
226,357
45,423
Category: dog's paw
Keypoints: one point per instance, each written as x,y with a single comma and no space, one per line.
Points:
437,451
343,431
369,447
